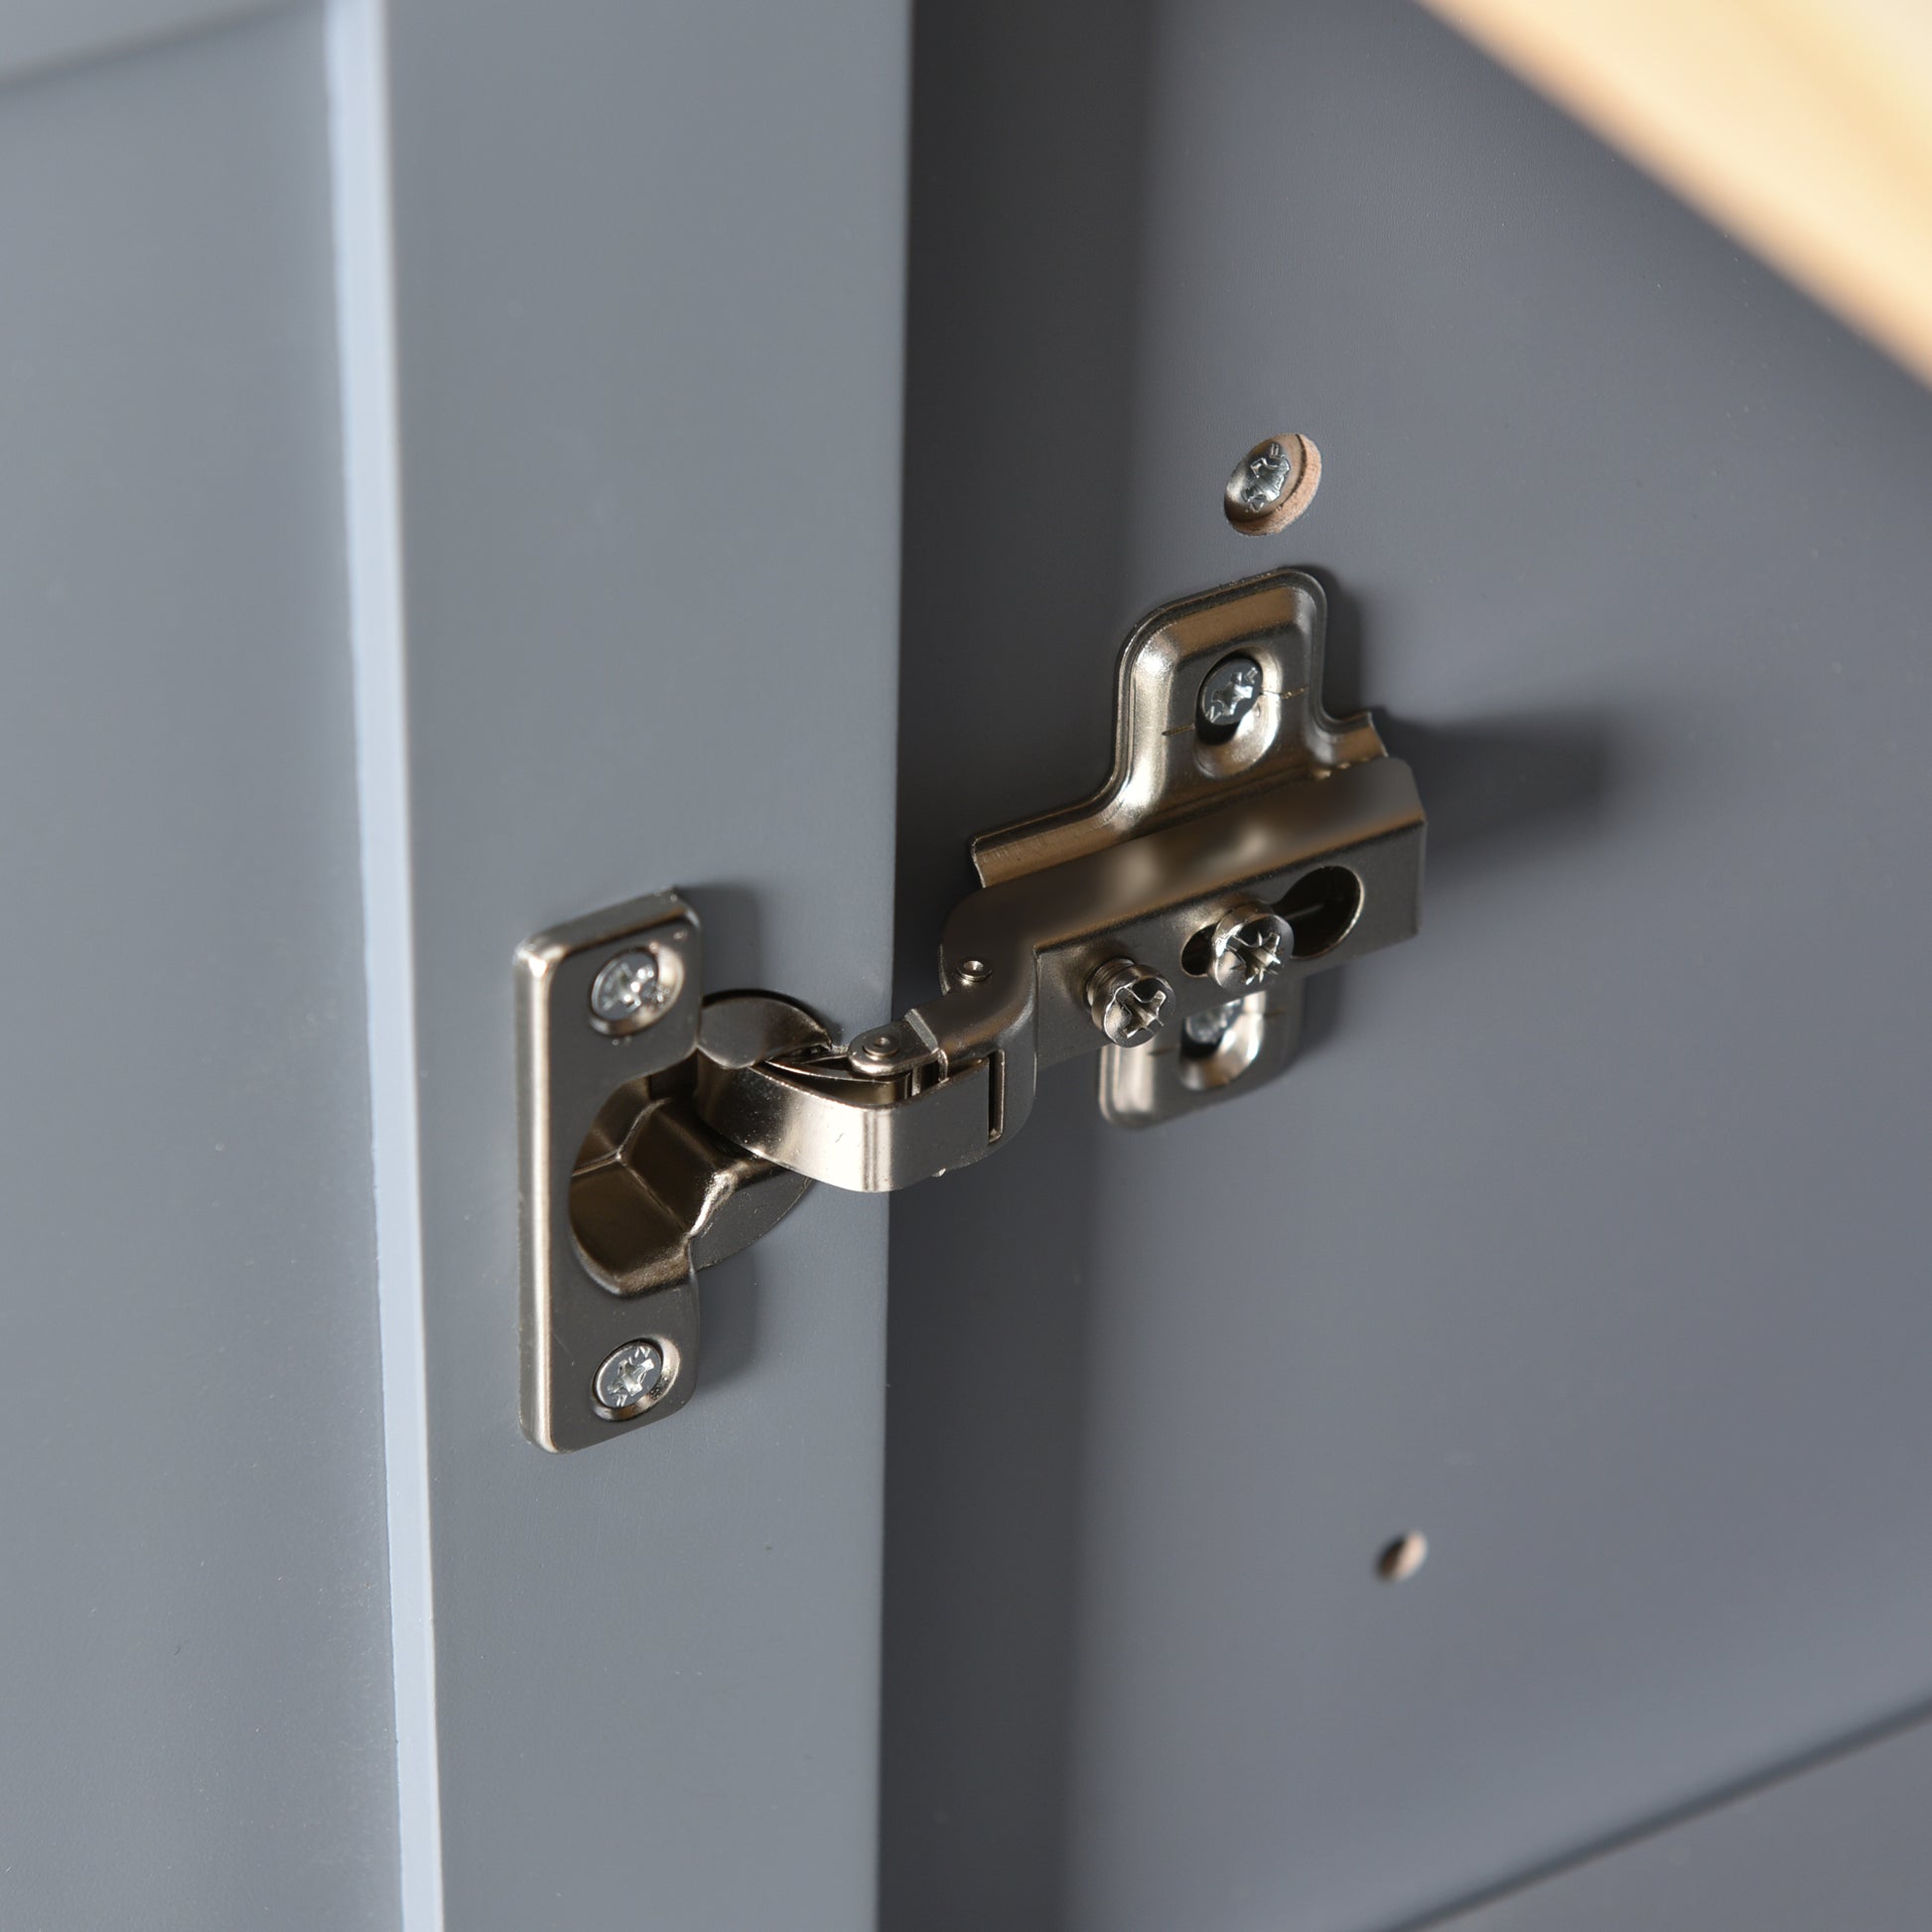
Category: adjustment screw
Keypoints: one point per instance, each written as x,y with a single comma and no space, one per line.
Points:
1125,998
1230,691
1208,1029
1248,946
632,989
631,1379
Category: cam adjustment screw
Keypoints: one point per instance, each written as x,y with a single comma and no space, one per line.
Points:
1208,1029
1249,946
1126,999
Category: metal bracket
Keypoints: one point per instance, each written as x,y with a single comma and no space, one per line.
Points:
1243,840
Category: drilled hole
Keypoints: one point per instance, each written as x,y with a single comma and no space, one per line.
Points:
1322,907
1403,1558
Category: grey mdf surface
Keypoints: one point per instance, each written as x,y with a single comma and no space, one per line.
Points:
1590,1235
195,1694
1841,1844
37,36
649,276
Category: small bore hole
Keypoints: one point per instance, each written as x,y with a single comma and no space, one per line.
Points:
1403,1558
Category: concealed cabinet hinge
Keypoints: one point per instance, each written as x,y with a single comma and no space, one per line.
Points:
1243,840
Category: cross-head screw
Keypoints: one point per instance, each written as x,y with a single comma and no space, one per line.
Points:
1227,694
631,1379
633,989
1272,484
1126,999
1206,1031
1249,946
1263,475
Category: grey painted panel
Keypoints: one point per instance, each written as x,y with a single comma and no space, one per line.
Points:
1844,1843
44,32
195,1687
651,278
1590,1235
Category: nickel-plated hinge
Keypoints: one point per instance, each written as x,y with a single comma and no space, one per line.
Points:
1243,840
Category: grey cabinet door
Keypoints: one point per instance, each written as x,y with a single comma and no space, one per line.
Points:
1589,1237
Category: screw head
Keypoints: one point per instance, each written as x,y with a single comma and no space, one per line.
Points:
1272,484
1228,693
1208,1029
1249,946
1262,476
1126,1001
970,972
631,1379
632,989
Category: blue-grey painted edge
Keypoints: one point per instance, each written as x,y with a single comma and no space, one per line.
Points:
366,332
